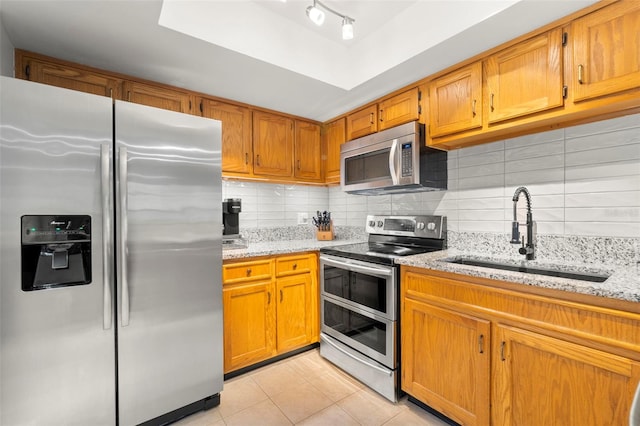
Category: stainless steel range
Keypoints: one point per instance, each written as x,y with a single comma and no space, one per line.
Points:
360,330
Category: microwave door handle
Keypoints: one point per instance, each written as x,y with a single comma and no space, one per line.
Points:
392,162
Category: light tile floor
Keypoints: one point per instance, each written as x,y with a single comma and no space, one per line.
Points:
306,390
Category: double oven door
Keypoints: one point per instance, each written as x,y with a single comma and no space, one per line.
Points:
360,306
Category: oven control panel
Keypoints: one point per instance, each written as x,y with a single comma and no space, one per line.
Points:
414,226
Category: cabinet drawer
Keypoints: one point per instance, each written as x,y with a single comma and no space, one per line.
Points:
246,271
293,264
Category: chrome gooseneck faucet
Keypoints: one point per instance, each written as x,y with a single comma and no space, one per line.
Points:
528,249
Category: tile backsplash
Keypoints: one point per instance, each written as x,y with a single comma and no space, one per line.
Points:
583,180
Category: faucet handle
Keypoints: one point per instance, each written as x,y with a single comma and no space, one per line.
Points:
515,232
523,249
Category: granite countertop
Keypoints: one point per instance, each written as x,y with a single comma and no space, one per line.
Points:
269,248
623,282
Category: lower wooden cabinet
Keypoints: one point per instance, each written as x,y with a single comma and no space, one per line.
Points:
483,352
454,345
270,307
541,380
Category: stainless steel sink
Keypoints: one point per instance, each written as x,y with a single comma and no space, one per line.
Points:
530,270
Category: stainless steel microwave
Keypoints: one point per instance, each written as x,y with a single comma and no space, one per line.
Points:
394,160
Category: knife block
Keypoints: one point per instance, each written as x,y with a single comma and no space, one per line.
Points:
325,235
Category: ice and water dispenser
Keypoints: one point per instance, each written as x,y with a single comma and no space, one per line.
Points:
56,251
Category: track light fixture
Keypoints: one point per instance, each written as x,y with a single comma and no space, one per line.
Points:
317,17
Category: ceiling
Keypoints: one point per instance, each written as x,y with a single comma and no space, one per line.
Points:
266,52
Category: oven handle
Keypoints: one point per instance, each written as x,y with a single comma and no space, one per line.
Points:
357,268
368,364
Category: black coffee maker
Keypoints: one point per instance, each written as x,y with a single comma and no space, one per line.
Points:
231,207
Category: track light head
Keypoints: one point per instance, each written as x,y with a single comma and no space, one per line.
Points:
315,14
347,28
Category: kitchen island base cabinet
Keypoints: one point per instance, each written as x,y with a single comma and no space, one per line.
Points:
482,351
270,307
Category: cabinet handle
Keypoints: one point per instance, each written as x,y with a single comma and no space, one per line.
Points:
481,343
381,119
295,266
246,158
491,102
580,69
502,357
371,118
129,96
281,296
298,164
473,108
248,271
268,298
258,160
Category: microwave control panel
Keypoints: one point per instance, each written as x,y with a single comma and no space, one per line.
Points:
407,159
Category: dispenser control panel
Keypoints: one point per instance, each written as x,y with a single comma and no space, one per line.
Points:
55,251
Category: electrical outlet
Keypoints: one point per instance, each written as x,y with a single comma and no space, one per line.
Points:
303,218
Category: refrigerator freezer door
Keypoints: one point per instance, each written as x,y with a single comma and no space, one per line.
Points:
170,298
57,364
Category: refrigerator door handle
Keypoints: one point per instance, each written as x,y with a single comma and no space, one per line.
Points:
107,221
122,169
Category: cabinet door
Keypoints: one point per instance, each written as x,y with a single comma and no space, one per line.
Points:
237,154
525,78
294,312
539,380
66,76
272,144
157,96
362,123
308,164
399,109
606,51
455,101
334,135
445,361
249,324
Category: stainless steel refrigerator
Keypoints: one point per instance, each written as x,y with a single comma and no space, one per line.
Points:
110,261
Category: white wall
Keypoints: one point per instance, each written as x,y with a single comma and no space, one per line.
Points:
583,180
6,53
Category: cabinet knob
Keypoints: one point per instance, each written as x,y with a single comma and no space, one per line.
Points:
248,271
295,266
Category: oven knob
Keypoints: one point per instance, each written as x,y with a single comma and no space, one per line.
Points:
431,226
372,223
420,225
380,223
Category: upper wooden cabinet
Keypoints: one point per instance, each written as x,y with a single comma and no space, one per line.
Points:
606,51
362,123
237,151
334,137
158,96
399,109
389,112
44,70
455,101
273,137
307,151
526,78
